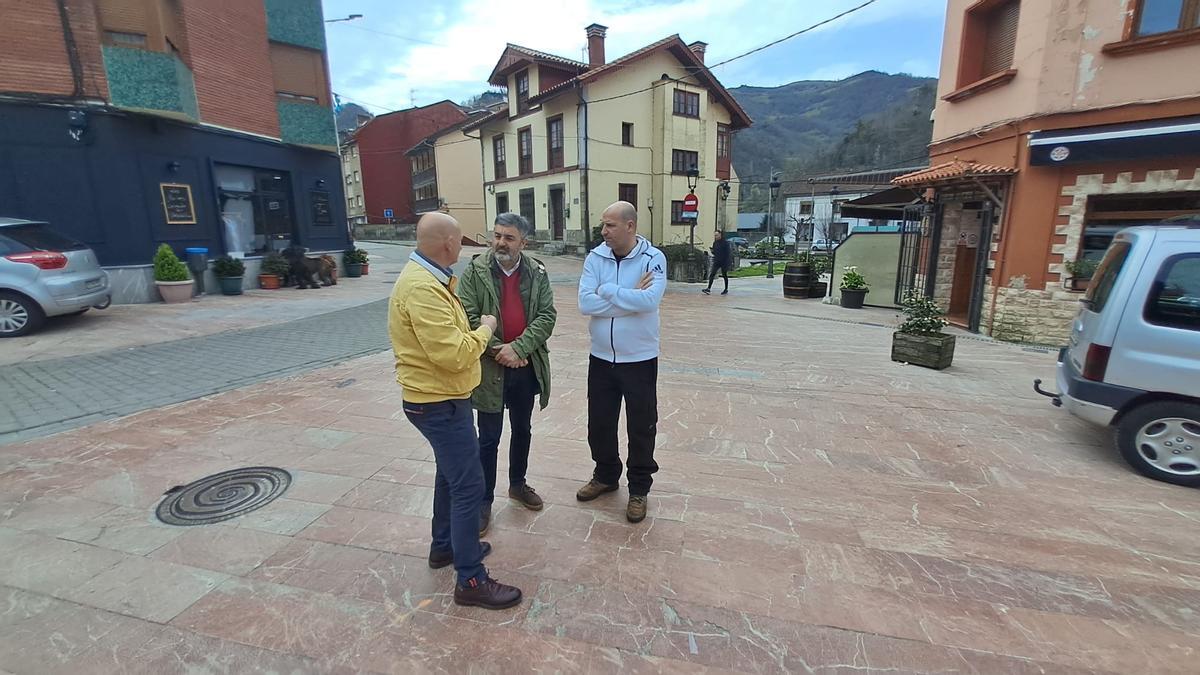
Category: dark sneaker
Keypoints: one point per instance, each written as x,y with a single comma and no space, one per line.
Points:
485,520
439,560
706,291
593,489
527,496
488,594
725,292
636,511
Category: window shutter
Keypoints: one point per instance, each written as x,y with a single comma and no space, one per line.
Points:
1001,38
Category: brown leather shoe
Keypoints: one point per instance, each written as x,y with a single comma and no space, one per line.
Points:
636,511
439,560
488,594
527,496
593,489
485,521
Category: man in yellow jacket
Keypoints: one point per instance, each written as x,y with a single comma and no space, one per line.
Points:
437,366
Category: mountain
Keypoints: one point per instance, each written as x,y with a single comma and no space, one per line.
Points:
348,117
484,100
870,120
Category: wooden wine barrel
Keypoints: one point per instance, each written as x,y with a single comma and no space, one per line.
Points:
796,280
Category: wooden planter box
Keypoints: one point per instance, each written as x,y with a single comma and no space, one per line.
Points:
688,271
930,351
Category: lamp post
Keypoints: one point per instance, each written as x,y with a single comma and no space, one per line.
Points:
693,179
352,17
772,196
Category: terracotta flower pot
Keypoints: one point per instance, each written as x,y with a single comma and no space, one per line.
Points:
269,282
366,269
175,291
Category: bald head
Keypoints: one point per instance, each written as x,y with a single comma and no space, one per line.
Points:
618,226
439,238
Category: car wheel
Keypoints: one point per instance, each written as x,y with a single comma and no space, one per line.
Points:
19,315
1162,440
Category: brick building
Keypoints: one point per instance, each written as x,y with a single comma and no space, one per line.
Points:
129,123
1059,122
379,147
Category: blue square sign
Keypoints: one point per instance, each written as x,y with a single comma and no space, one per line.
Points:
388,213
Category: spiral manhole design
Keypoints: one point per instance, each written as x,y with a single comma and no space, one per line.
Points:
222,496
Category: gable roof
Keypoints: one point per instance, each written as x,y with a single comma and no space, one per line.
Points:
461,125
673,44
516,56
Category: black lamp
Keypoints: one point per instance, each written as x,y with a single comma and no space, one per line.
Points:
693,178
726,188
772,199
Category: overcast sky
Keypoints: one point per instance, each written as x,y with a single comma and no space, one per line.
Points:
405,52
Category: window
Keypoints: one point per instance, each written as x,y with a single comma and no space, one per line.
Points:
298,73
687,103
1165,16
722,141
627,133
554,143
522,91
1109,214
498,157
683,160
116,37
350,202
357,178
349,178
627,192
677,213
525,151
806,208
1106,276
525,197
358,200
989,40
501,202
1175,297
354,150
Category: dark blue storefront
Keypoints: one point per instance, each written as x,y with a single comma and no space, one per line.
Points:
132,181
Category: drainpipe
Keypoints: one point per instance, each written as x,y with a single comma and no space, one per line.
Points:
584,213
71,49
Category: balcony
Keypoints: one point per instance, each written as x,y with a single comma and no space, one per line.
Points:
427,205
422,178
304,123
296,22
139,79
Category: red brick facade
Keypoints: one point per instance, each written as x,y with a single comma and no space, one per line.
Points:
34,57
386,171
231,62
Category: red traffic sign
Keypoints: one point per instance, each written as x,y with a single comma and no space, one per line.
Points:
691,203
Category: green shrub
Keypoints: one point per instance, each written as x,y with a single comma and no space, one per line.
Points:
167,266
227,266
681,253
355,256
274,263
923,315
1081,268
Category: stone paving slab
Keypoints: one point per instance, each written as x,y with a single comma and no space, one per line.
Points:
819,509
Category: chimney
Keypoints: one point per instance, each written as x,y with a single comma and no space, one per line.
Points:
698,48
595,36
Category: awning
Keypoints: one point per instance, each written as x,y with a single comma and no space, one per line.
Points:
955,171
1137,140
884,205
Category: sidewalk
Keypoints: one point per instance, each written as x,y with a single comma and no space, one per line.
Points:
819,509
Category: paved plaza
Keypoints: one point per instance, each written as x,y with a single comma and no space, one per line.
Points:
819,509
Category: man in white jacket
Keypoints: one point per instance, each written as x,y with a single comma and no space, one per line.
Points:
622,285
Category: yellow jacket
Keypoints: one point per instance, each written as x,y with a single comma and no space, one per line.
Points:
437,353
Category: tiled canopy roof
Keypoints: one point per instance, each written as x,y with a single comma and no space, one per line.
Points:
953,170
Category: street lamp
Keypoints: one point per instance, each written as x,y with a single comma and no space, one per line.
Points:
693,178
772,196
352,17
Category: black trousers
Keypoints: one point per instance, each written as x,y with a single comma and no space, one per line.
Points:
521,389
637,385
723,268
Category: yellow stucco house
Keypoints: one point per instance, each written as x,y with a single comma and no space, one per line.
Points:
447,176
575,137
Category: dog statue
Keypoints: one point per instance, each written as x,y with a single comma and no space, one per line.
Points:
328,271
303,269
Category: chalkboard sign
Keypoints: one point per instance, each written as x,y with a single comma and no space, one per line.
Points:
177,204
321,215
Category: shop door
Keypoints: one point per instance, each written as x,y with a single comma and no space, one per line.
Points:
558,219
275,208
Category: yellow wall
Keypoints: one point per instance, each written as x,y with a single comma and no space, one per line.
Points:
460,181
657,131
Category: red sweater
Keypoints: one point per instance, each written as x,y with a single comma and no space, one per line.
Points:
512,309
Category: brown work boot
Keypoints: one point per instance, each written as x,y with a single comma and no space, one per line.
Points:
593,489
485,520
636,511
527,496
441,559
488,594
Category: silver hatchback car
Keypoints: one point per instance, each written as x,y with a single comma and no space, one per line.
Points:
44,273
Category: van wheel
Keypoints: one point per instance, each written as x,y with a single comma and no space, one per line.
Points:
19,315
1162,440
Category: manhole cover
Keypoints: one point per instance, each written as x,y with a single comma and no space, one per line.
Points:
222,496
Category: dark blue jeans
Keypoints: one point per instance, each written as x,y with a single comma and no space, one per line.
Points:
520,389
459,484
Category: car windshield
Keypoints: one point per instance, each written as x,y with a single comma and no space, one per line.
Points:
35,237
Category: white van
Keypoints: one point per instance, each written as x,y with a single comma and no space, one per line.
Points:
1134,358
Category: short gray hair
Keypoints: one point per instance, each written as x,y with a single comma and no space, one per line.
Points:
518,221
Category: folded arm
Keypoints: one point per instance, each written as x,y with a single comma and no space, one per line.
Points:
636,300
590,303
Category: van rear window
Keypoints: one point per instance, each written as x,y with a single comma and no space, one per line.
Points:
1106,275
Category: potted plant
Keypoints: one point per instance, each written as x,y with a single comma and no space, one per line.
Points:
818,265
354,259
684,263
171,276
854,288
273,271
229,272
1081,271
920,340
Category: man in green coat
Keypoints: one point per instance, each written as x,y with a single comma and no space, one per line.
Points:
514,287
